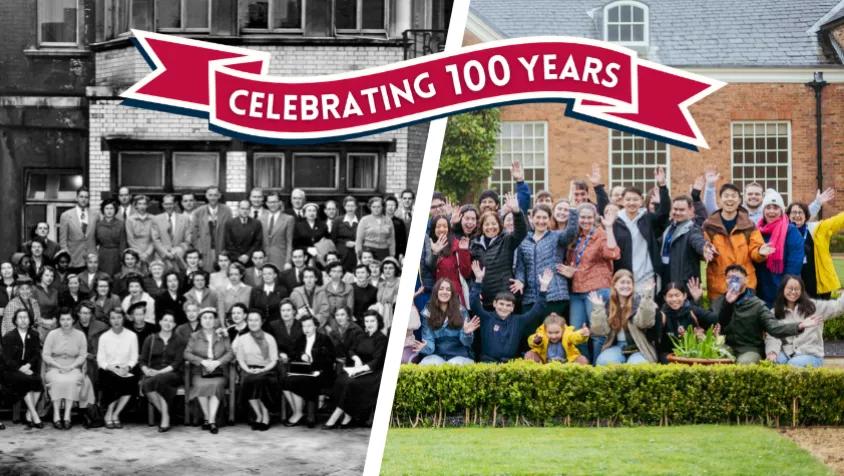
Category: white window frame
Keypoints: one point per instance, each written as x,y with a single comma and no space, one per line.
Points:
257,155
60,44
610,165
376,158
182,11
545,181
733,164
161,154
359,20
270,29
336,156
175,154
634,4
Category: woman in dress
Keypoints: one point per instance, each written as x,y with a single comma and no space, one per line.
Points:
23,300
234,291
22,365
344,234
48,301
375,232
388,289
64,354
137,293
162,357
257,357
238,324
343,332
309,231
200,294
110,236
209,355
356,388
317,351
219,280
286,330
171,300
117,355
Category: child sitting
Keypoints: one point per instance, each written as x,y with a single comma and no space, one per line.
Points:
555,341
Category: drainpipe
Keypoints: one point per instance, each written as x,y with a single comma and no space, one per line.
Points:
818,84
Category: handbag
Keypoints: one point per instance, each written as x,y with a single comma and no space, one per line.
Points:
93,417
217,372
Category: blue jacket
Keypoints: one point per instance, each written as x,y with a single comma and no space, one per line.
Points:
445,341
768,282
533,258
500,338
523,196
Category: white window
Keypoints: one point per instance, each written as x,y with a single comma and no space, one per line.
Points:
362,171
58,23
634,159
626,22
762,153
527,143
260,16
141,169
315,170
365,16
195,169
268,170
184,15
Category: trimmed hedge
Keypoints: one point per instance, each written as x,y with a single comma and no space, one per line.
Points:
833,329
526,393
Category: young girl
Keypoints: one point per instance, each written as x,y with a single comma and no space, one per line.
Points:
794,305
555,341
447,331
679,312
450,257
624,320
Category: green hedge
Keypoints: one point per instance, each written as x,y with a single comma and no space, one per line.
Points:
526,393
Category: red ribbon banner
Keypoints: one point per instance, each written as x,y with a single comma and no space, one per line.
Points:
602,82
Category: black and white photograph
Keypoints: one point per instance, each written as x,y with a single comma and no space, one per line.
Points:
176,301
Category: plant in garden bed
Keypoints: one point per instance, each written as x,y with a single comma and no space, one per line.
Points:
695,343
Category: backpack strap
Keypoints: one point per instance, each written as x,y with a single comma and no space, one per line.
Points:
694,318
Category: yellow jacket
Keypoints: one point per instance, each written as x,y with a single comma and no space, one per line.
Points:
571,338
822,232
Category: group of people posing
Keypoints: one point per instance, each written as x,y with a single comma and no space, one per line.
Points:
614,276
288,304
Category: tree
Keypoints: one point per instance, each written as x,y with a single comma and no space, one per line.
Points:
468,153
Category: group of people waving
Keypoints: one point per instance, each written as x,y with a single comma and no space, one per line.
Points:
618,279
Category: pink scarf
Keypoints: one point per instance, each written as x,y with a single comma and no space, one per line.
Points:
778,229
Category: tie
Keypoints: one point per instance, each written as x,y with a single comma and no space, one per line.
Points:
170,227
666,245
212,229
83,217
124,214
272,223
255,214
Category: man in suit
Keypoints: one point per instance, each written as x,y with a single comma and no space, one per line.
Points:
278,232
124,202
256,204
297,203
330,212
171,234
253,276
291,278
188,205
88,278
208,228
76,230
243,234
42,232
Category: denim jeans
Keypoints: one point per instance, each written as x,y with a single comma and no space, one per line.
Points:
579,313
614,355
800,360
435,359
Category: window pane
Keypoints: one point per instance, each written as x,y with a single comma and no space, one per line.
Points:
638,14
625,32
314,171
141,14
287,14
625,13
638,33
257,14
195,169
169,14
268,170
373,14
363,171
57,21
196,13
345,14
142,169
612,14
612,33
33,215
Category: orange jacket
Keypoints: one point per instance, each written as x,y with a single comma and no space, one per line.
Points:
740,247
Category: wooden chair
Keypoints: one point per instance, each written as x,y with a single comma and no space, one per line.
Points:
230,391
180,391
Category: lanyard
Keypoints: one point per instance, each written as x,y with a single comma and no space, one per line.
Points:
578,250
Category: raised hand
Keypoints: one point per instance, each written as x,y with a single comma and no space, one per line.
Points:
659,175
595,299
699,182
478,271
594,177
610,216
448,208
584,331
471,325
516,286
456,217
766,249
439,245
545,279
511,202
695,291
827,196
712,176
516,171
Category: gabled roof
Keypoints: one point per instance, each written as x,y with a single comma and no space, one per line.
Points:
710,33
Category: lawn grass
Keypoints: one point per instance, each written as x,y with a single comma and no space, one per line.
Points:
839,267
679,450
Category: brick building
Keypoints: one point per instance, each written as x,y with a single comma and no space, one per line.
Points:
63,64
761,126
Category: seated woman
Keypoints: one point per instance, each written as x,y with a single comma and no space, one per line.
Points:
286,330
794,305
162,357
555,341
678,313
624,320
447,331
239,326
64,354
257,356
209,355
137,323
344,332
356,388
117,355
316,350
22,365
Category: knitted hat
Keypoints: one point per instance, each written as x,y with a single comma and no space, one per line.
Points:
772,197
490,194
